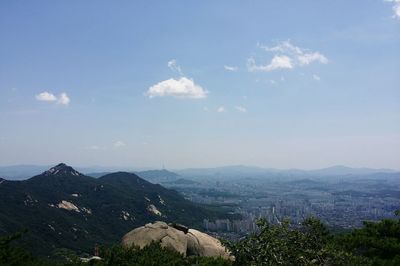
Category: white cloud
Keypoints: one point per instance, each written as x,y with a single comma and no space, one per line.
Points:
181,88
308,58
316,77
46,97
231,68
50,97
287,56
173,65
241,109
283,47
280,61
119,144
277,62
63,99
396,8
221,109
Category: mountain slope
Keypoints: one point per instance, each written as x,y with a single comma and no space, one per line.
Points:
63,208
171,205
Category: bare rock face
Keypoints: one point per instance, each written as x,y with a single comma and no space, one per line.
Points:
159,232
204,245
188,242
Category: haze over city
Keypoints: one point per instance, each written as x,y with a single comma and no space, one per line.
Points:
144,85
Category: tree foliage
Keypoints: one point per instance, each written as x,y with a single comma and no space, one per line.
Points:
284,245
311,243
152,255
17,256
377,241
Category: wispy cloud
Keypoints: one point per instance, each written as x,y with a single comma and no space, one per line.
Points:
94,147
308,58
231,68
221,109
278,62
180,88
316,77
286,56
241,109
63,99
173,65
46,96
119,144
395,7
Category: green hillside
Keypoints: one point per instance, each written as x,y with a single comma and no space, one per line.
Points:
65,210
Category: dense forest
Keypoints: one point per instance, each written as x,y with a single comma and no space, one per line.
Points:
311,243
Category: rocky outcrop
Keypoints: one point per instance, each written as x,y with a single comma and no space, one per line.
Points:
188,242
202,244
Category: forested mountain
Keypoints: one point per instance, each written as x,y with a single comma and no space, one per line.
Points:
64,209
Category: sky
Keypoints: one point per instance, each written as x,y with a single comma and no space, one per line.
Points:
284,84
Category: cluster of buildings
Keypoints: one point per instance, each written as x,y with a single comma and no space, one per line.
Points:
343,212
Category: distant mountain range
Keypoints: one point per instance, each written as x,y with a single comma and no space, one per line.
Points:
66,210
249,171
21,172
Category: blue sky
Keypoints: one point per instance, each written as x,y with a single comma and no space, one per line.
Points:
286,84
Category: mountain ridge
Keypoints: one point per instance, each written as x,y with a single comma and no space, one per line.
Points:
23,172
61,205
239,170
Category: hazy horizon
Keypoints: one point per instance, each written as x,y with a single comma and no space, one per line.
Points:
200,84
164,167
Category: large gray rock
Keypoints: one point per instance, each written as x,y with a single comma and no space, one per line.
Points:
159,232
205,245
188,242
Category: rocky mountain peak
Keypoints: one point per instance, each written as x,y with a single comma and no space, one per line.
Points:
61,169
